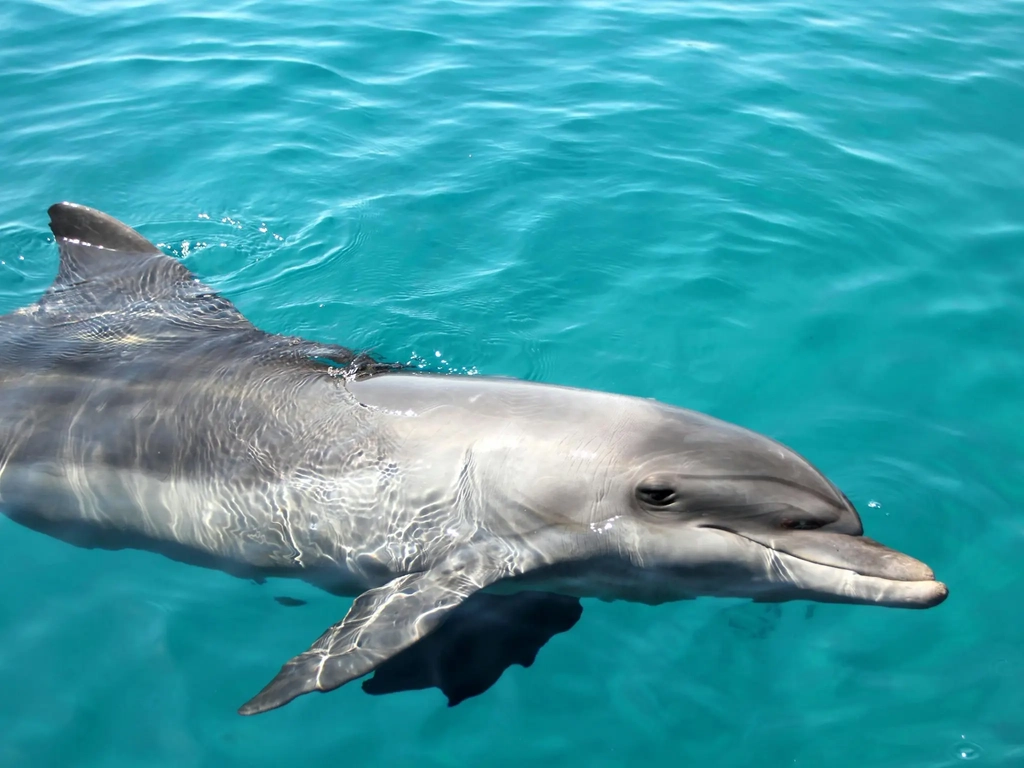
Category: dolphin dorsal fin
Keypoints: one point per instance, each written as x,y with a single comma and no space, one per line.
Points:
114,285
73,222
106,266
97,248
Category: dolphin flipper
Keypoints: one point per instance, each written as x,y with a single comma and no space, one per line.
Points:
289,602
381,623
479,640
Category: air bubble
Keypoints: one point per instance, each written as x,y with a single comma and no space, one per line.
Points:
875,504
967,750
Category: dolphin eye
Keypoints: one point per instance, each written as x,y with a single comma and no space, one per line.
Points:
802,525
656,495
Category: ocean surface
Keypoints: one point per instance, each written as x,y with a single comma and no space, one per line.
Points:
804,217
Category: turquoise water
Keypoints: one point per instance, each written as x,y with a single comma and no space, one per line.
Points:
804,217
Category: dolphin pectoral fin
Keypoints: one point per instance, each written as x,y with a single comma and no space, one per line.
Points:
478,641
289,602
381,622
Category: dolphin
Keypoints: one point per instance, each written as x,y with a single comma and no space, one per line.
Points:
466,515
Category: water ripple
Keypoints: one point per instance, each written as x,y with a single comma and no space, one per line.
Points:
802,217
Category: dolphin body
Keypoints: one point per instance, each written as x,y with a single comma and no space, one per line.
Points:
467,515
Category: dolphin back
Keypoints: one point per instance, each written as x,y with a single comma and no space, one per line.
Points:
118,300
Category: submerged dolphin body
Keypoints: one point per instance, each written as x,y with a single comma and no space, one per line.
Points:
468,515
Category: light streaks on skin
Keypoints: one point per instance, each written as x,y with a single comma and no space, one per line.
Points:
131,430
385,620
169,415
777,568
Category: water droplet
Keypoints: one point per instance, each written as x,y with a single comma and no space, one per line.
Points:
967,750
875,504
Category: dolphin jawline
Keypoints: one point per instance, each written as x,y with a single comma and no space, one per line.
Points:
911,584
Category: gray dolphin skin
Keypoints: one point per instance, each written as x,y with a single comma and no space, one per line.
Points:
466,515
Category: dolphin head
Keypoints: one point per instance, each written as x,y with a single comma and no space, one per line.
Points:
697,506
643,501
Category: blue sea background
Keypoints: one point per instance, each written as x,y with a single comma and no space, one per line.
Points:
804,217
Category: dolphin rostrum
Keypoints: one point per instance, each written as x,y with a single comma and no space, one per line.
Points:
467,515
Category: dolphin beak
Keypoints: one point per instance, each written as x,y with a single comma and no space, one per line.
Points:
836,567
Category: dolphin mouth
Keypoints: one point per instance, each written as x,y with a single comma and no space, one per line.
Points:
835,567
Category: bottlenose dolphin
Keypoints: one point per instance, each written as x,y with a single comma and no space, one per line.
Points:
467,515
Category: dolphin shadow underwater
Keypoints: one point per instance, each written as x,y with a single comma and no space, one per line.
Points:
468,516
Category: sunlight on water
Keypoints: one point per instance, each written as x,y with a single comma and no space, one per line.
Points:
802,217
